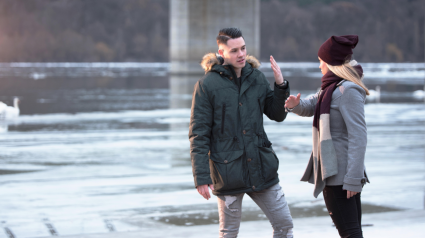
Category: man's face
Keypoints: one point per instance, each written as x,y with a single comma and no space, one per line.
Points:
234,52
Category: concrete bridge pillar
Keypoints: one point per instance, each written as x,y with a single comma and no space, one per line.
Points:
195,24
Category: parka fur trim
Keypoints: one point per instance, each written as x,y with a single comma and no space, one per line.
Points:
210,59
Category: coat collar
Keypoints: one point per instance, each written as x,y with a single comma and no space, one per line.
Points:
210,62
246,80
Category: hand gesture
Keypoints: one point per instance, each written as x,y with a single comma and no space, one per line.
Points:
203,190
292,101
276,71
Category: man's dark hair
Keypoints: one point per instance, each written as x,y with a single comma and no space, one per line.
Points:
226,34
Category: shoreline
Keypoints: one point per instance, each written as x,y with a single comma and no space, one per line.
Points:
407,223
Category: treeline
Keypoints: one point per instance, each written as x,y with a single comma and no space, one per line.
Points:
138,30
84,30
389,30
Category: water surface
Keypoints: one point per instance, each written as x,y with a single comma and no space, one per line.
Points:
104,147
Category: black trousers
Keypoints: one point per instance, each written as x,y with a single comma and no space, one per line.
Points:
345,213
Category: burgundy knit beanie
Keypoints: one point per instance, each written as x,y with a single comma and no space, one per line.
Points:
337,49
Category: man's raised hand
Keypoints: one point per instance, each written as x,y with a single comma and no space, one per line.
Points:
276,71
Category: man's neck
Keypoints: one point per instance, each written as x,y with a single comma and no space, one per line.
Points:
238,71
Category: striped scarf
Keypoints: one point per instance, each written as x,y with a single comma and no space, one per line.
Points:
324,157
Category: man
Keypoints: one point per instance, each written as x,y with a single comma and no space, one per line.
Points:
230,151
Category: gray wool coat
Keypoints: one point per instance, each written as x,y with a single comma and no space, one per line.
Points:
349,135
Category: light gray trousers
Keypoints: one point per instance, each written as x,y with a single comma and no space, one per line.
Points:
273,203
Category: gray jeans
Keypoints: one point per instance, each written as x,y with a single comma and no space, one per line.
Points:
273,203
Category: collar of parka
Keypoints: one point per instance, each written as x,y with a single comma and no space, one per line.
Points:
211,63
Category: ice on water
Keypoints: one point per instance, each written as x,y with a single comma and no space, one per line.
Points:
89,171
113,174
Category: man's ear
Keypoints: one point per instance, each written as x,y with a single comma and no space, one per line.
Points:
220,52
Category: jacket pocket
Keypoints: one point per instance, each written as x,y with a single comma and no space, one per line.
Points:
261,140
223,117
227,170
269,163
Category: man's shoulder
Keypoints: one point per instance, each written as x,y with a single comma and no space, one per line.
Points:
209,80
259,73
259,76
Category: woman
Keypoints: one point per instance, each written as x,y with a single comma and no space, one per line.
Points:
336,165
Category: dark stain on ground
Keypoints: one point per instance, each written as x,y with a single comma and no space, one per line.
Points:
6,171
210,215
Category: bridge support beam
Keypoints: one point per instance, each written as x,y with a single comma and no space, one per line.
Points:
194,25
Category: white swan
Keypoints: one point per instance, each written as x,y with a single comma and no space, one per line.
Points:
2,110
374,95
7,112
4,127
419,94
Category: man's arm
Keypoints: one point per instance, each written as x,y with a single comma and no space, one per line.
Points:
201,120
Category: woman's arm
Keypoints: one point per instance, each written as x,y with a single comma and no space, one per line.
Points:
302,107
352,110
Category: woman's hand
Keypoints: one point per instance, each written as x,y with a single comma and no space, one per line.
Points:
350,194
276,71
292,101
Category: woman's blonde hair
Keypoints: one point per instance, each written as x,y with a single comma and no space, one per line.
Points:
348,72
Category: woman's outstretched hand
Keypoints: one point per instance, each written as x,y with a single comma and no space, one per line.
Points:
276,71
292,101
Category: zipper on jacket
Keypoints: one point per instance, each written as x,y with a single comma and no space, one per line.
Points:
223,114
259,104
259,134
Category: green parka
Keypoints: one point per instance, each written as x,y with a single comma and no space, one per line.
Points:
228,145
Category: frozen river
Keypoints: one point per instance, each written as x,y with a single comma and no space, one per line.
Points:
107,154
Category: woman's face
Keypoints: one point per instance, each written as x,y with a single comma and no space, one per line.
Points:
323,66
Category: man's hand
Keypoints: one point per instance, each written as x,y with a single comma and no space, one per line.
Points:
276,71
292,101
203,190
350,194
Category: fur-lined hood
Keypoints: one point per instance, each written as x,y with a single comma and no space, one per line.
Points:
210,59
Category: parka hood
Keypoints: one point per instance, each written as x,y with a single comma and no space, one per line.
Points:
210,59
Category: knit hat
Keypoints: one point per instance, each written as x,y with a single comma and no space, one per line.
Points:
337,49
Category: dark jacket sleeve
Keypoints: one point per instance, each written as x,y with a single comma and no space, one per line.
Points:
275,103
201,120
